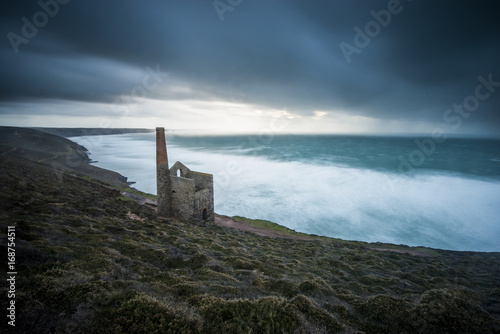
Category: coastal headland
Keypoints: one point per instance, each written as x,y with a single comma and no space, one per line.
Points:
90,255
76,132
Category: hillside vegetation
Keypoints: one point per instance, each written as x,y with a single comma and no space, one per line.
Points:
92,260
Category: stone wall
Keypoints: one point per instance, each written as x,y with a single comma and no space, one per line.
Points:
182,197
204,195
204,200
163,190
203,180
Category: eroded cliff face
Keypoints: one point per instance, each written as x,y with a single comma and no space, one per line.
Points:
55,151
76,132
38,145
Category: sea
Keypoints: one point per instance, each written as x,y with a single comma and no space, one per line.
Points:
419,191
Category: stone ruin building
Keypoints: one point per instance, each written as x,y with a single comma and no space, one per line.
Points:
182,193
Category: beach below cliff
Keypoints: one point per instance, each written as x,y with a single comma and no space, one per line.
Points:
91,256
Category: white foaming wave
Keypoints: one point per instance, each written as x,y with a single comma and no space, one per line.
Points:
437,210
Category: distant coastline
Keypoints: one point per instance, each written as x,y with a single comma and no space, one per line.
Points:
57,152
78,132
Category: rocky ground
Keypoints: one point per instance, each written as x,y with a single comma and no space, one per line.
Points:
92,260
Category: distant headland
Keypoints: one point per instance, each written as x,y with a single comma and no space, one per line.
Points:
77,132
51,149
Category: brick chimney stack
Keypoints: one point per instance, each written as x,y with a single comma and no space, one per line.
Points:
161,147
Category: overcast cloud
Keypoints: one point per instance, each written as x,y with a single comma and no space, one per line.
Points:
237,64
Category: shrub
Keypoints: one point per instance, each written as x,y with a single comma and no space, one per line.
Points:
145,314
319,317
198,261
265,315
446,310
385,314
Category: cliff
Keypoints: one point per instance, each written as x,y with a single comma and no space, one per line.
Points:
76,132
57,152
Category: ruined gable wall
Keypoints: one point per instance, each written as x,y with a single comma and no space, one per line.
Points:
184,171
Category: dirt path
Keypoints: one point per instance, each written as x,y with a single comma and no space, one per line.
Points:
402,251
229,222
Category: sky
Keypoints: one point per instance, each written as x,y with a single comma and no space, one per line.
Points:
296,66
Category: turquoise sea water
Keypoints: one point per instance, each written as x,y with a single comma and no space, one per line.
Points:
415,191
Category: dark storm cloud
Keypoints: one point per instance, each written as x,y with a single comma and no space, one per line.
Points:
274,53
